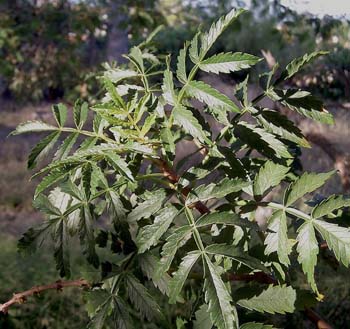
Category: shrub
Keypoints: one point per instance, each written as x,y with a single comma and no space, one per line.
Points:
46,50
184,230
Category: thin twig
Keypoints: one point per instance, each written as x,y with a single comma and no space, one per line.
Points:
21,297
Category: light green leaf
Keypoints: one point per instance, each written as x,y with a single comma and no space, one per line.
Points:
149,235
277,239
43,204
218,298
327,206
153,201
53,177
136,58
181,65
116,206
42,149
168,87
141,298
275,299
60,113
116,75
337,238
178,280
217,28
307,249
269,175
184,118
228,62
113,94
147,125
193,51
210,96
298,63
33,126
306,183
149,264
120,165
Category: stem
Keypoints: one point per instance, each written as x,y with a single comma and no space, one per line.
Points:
87,133
58,285
196,235
292,211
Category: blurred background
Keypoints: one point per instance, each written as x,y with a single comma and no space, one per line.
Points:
53,51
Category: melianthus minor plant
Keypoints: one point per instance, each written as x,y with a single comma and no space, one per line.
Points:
184,231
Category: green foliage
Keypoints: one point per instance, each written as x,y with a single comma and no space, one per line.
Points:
46,49
183,236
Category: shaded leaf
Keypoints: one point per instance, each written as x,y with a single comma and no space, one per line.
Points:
224,187
236,254
42,149
141,298
180,276
149,235
80,113
176,240
264,142
60,113
255,325
153,201
218,299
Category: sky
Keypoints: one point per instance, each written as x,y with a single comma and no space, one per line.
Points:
320,7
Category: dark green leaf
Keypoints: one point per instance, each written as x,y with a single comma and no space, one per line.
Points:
42,149
180,276
141,298
218,299
60,114
149,235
